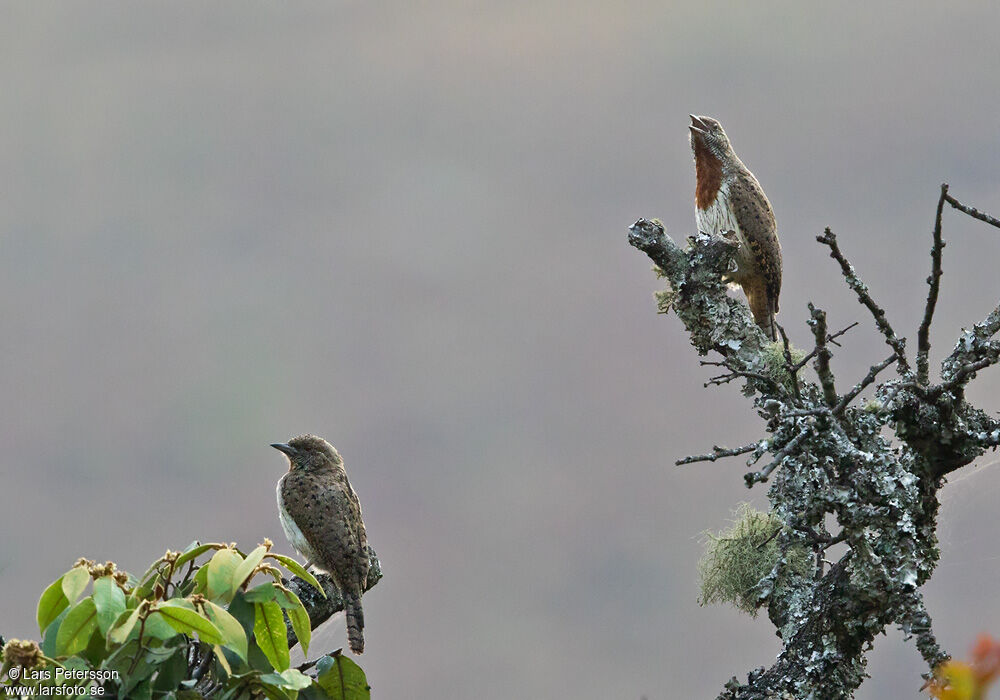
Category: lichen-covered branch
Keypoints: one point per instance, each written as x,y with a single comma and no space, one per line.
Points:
823,354
321,608
864,296
718,453
830,457
863,384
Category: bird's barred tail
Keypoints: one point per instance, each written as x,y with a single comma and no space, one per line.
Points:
355,622
762,308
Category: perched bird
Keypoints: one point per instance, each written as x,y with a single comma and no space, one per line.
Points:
321,516
728,198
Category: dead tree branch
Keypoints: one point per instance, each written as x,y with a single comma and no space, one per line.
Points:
864,296
831,458
971,211
818,323
718,453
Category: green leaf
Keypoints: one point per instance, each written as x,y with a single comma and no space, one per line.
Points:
232,632
201,580
171,671
74,581
342,679
297,615
120,658
273,692
52,602
184,619
220,575
157,627
74,663
51,634
76,628
299,570
261,594
143,691
147,577
120,632
135,664
244,613
269,631
220,656
289,679
246,567
194,551
95,650
110,602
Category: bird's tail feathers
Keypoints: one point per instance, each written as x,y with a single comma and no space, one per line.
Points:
762,309
355,622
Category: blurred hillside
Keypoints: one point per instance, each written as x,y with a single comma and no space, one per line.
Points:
403,228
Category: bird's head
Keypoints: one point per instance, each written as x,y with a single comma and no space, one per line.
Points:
309,452
707,133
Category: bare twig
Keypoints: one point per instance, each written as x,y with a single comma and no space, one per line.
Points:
934,282
769,538
832,338
824,540
860,386
818,324
789,365
820,411
719,453
762,475
735,372
861,290
972,211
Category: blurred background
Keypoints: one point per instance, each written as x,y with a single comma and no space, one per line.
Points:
403,227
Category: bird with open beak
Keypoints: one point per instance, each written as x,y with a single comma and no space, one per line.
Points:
728,197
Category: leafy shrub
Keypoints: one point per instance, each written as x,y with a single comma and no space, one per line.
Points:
190,627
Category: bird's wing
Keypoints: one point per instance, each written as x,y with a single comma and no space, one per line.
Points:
336,532
756,221
288,524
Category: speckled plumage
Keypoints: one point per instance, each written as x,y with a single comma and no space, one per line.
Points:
321,516
729,198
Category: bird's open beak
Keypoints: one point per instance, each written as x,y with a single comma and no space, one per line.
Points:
698,125
283,447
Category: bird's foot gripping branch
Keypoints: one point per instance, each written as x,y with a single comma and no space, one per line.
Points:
828,456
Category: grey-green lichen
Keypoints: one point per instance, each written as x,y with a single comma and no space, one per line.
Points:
774,364
738,558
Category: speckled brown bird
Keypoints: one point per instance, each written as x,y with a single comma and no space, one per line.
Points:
729,198
321,516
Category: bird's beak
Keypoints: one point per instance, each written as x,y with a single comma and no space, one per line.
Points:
283,447
698,125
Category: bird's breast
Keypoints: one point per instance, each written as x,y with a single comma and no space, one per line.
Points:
718,216
292,531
